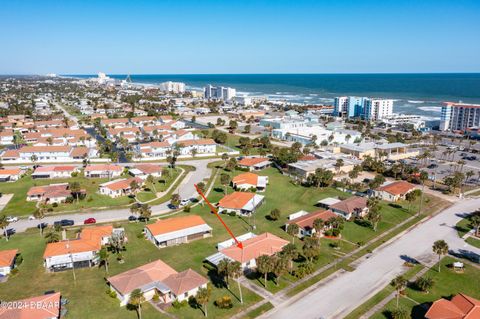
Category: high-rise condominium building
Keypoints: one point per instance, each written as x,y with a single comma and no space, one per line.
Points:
459,116
377,109
219,93
175,87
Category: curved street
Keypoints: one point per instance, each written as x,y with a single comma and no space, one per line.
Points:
185,190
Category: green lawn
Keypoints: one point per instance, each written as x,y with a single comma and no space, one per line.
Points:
18,206
447,283
463,227
473,241
32,279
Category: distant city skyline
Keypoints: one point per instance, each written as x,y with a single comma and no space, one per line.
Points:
239,37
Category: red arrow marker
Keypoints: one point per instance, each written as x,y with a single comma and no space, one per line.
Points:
214,210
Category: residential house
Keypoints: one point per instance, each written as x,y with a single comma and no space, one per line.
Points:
80,252
201,146
10,175
393,191
103,171
120,187
131,134
114,123
253,247
7,261
177,230
306,220
460,307
6,137
144,170
64,171
157,278
354,206
249,180
240,202
254,163
53,193
153,149
42,307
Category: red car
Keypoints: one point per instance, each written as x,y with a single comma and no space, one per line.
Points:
89,221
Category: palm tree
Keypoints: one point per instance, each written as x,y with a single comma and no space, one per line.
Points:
424,283
52,236
136,300
290,252
150,179
236,272
145,212
225,181
399,283
475,221
103,256
39,214
203,297
374,217
423,177
318,225
279,267
440,247
4,224
224,271
264,266
292,230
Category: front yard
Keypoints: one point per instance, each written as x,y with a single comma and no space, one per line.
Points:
446,283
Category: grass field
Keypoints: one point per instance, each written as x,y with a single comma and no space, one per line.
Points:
447,283
18,206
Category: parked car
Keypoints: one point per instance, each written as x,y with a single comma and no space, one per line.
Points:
143,219
171,206
12,219
64,222
184,202
90,220
42,225
432,166
10,232
31,217
132,218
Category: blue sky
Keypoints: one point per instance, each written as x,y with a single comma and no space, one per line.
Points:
168,37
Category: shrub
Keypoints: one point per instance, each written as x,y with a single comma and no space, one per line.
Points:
399,313
304,270
19,260
89,199
140,235
177,304
186,208
50,209
112,293
74,174
69,200
156,297
334,245
224,302
14,271
233,214
55,205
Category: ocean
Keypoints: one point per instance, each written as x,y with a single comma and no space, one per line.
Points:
420,94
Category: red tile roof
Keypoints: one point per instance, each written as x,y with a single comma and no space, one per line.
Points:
103,167
184,281
45,307
122,183
397,188
149,168
263,244
236,200
251,161
13,171
245,178
206,141
7,257
66,168
306,221
164,226
50,191
350,205
460,307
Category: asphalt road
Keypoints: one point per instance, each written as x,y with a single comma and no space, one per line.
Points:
185,189
347,291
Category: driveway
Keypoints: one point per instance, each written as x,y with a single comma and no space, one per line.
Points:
185,189
348,290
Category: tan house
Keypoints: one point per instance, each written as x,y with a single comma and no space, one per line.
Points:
394,191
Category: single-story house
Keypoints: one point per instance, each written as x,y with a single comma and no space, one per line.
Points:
157,278
393,191
64,171
177,230
103,171
254,163
240,203
80,252
460,307
10,175
41,307
354,206
305,221
201,146
249,180
53,193
143,170
7,261
253,247
327,202
119,187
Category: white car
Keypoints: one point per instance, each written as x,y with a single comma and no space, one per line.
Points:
12,219
184,202
31,217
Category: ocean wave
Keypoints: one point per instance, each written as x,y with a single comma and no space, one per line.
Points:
437,109
415,102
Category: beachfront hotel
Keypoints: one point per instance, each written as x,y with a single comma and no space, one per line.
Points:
459,116
219,93
367,108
